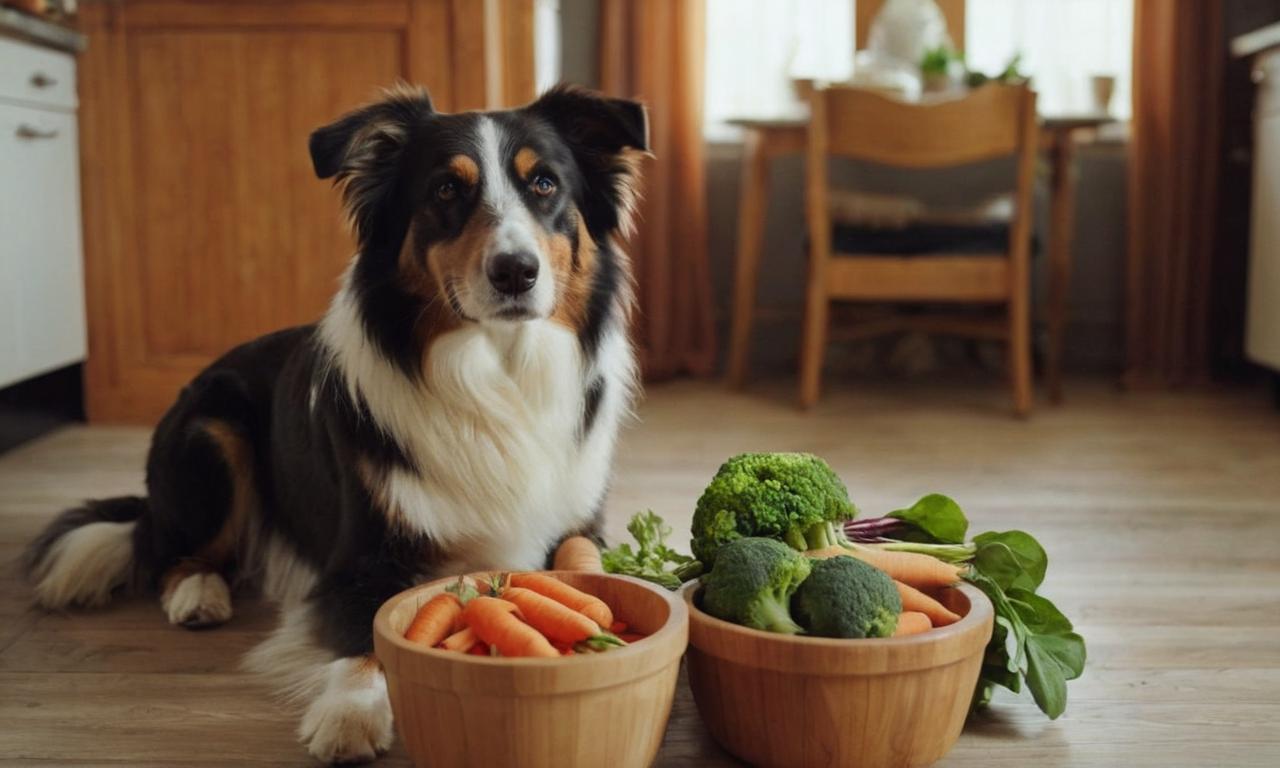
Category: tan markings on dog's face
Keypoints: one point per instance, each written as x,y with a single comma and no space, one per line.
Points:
465,169
571,310
418,278
525,161
457,262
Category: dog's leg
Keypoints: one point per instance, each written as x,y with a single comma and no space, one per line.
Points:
320,657
350,721
346,715
205,490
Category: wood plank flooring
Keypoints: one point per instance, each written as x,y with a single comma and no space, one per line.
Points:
1161,514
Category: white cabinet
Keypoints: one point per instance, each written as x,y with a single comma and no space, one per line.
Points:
42,322
1262,333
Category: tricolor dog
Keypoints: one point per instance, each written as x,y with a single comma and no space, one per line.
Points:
455,409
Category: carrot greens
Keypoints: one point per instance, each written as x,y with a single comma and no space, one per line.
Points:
651,559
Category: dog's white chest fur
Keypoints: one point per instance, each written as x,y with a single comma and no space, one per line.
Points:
494,429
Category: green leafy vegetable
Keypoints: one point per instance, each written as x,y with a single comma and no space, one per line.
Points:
1011,558
651,557
1032,641
936,516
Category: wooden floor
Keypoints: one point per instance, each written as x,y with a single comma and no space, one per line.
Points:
1161,514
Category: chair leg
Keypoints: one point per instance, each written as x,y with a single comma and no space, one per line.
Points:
1020,350
813,344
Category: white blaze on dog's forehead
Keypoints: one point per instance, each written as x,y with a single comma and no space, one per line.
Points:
515,229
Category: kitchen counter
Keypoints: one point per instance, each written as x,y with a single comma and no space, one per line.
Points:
24,26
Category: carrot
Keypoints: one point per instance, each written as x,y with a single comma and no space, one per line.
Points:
462,640
915,600
495,622
479,649
912,623
434,620
558,622
588,605
578,553
917,570
618,627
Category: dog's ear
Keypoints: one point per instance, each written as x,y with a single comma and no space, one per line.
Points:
608,136
363,150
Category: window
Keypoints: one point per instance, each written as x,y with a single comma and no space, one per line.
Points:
546,44
1063,44
756,47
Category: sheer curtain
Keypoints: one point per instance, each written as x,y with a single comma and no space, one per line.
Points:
1063,43
755,48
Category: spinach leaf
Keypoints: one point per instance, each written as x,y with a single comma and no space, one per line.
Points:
1032,640
938,517
1045,680
1011,559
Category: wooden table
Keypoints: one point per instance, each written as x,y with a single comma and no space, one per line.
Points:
767,139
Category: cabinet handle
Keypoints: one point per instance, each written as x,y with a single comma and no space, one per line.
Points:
41,80
30,132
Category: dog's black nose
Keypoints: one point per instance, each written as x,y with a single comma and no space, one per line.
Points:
513,273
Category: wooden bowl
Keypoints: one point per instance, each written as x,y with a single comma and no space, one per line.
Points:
794,702
593,710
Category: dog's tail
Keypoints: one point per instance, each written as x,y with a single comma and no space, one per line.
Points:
85,553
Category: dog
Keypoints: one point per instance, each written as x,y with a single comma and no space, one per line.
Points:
455,409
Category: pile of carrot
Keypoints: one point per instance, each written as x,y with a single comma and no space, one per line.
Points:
913,574
519,615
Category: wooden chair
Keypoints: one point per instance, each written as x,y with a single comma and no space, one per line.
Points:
990,122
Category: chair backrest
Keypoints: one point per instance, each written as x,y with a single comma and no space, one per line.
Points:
988,122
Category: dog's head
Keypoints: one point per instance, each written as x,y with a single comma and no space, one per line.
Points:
496,215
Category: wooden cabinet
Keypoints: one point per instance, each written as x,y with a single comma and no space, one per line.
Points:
204,224
42,323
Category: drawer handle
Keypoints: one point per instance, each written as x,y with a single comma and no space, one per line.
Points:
41,80
29,132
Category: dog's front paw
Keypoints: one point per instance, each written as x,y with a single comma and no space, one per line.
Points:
350,725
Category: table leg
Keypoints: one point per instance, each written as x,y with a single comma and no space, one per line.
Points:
1062,204
752,207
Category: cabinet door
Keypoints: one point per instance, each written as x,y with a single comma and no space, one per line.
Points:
204,223
1262,331
40,248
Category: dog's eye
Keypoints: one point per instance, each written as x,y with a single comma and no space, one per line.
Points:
543,186
446,191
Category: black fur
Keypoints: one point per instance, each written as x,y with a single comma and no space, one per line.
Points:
306,435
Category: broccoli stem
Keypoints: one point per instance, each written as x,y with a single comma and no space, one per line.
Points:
795,539
777,617
690,570
818,536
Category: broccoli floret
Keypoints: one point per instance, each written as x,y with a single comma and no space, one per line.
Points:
752,583
793,497
845,597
